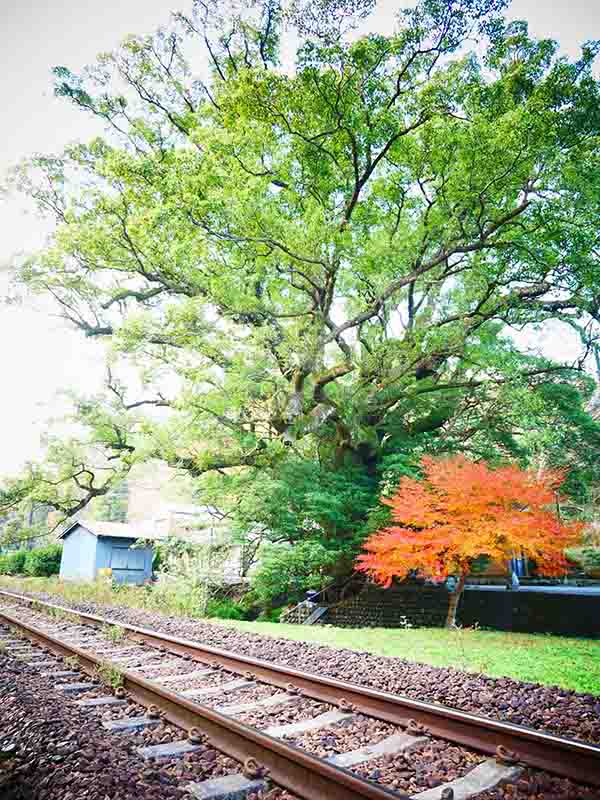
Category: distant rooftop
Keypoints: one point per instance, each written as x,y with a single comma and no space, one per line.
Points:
119,530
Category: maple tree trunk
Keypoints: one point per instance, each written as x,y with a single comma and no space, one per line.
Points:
453,603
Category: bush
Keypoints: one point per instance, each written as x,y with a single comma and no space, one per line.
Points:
224,609
16,562
177,596
289,571
13,563
43,561
591,557
588,558
180,567
272,615
480,564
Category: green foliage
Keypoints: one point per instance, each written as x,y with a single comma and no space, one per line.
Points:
64,482
13,563
62,615
44,561
591,556
109,675
569,436
188,572
272,614
112,506
224,609
289,571
169,552
586,557
480,564
184,596
24,525
301,500
114,632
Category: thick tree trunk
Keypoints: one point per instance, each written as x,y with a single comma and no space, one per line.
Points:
453,603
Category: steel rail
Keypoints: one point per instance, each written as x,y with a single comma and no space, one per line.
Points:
296,770
574,759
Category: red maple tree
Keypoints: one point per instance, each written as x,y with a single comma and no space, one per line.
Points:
462,510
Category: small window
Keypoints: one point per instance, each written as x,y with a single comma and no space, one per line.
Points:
135,559
118,557
125,558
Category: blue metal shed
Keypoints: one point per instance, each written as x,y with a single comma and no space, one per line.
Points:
89,545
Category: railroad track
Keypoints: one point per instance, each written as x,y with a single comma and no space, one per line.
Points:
201,688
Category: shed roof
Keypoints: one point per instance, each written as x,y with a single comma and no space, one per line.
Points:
119,530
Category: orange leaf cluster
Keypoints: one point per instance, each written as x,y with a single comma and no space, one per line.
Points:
462,510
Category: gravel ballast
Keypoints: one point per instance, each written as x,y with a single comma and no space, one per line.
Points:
425,767
548,708
51,749
60,752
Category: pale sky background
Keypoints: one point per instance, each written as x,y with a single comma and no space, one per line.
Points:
39,353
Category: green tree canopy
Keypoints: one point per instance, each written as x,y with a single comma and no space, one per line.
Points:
315,259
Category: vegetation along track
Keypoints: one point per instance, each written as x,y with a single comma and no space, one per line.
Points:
405,729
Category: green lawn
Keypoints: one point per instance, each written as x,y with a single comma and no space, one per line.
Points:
540,658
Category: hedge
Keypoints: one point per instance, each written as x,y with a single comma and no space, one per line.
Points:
43,561
13,563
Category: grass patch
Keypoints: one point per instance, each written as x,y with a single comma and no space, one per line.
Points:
113,632
99,591
72,662
167,598
571,663
537,658
109,675
57,613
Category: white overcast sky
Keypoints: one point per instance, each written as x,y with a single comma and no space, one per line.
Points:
39,354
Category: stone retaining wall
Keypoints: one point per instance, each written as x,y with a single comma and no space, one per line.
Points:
426,606
532,612
412,603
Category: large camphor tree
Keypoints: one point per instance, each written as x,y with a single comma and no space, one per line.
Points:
314,247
